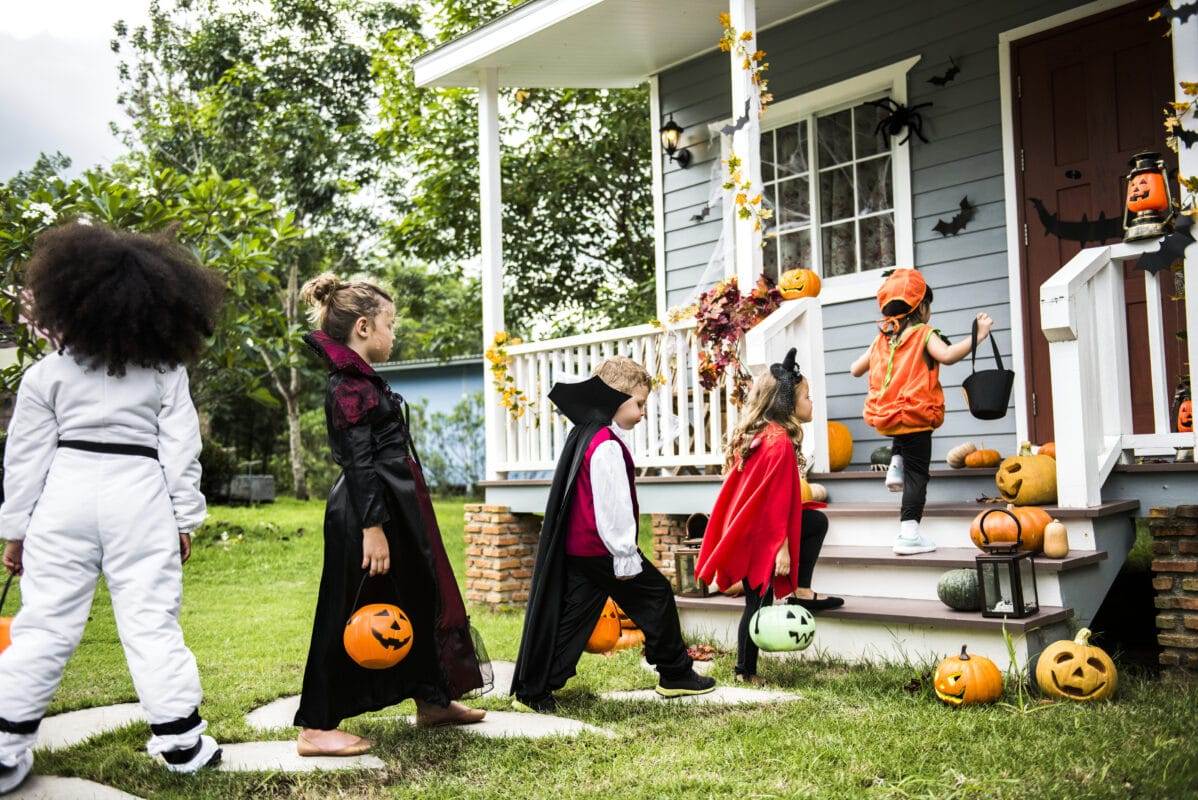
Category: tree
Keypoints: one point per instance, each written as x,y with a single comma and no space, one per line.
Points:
437,313
280,94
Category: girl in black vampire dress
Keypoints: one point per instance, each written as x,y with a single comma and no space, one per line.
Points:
380,539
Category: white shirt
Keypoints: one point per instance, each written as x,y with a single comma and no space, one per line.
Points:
60,399
614,516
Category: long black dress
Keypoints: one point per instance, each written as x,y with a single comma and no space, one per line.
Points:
381,484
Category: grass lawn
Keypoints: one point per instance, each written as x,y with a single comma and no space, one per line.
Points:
856,732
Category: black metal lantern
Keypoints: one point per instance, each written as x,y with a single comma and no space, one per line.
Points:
671,135
1149,209
685,582
1006,574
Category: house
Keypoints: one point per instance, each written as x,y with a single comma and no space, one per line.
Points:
1028,113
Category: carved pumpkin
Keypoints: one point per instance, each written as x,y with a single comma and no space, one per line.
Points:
956,456
782,628
1146,192
1056,540
967,680
1026,479
796,283
814,492
378,636
626,622
1185,416
840,446
1076,670
1001,528
1049,449
607,630
982,458
629,638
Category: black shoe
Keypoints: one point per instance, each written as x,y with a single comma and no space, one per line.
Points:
694,683
816,603
546,704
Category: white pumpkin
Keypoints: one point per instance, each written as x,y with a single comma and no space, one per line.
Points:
956,456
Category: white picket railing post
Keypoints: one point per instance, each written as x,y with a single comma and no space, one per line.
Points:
491,250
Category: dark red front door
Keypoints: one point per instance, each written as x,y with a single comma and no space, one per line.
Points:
1088,96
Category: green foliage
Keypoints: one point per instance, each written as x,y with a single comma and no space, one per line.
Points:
319,467
438,313
451,445
218,465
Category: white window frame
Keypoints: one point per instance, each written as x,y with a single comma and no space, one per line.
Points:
892,81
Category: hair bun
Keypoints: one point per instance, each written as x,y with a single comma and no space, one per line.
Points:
318,290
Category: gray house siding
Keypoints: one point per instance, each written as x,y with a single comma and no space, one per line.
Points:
963,157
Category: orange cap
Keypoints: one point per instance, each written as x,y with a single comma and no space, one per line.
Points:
904,284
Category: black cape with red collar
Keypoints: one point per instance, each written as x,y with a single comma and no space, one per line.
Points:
590,405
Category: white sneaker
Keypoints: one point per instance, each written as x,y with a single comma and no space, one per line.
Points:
894,475
208,755
14,776
910,541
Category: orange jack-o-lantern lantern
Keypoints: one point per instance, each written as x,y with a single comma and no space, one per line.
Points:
796,283
1146,192
1076,670
1185,416
607,630
378,636
967,679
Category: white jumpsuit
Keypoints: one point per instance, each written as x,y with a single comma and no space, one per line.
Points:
86,513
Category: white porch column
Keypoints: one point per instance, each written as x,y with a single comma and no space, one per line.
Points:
1185,68
491,250
746,143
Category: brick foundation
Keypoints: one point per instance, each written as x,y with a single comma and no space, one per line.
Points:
500,550
1175,567
669,530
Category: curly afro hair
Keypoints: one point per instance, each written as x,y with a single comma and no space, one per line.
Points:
114,298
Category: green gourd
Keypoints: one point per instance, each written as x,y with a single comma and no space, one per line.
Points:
881,456
958,589
781,628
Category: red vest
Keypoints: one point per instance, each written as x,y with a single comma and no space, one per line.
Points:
582,535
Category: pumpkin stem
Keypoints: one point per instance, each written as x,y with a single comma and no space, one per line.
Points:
965,656
1025,448
1083,636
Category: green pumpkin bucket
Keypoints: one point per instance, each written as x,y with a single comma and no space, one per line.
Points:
784,628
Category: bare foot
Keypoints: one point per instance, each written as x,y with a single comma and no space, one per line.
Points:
430,715
806,594
313,742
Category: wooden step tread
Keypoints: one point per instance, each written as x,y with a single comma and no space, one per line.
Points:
945,558
956,509
900,611
869,474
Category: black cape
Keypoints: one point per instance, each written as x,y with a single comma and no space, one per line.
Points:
590,405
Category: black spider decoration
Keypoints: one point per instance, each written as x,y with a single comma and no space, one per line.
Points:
897,118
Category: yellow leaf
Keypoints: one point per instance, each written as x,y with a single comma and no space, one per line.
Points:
725,19
746,36
740,198
760,54
1189,87
756,200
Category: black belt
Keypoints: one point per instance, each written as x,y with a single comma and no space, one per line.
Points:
110,447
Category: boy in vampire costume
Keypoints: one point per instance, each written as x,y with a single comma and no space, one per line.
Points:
588,549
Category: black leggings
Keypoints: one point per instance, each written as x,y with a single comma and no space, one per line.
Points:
815,528
916,450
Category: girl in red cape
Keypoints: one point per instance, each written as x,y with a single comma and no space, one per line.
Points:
761,533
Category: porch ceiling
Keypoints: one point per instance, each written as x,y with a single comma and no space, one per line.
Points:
589,43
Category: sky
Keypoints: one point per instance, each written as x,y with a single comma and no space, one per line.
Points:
58,82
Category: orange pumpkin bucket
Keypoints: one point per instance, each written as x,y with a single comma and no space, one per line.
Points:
5,622
377,635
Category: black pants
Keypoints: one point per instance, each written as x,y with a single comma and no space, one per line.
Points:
815,528
647,599
916,450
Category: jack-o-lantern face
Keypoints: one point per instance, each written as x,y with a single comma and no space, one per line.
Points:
967,679
1027,480
1185,416
1076,670
796,283
378,636
782,628
607,630
1146,192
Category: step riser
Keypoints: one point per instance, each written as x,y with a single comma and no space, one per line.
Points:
912,583
876,530
861,641
940,490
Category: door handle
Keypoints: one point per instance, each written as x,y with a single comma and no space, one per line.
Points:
1073,174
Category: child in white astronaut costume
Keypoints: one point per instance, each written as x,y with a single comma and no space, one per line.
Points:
102,475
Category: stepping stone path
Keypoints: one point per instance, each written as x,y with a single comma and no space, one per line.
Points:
281,757
723,695
520,725
65,730
275,714
46,787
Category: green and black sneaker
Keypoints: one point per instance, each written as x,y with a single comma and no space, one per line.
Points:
694,683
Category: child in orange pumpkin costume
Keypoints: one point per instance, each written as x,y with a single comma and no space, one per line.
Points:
905,400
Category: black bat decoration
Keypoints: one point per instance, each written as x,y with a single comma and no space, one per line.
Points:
959,220
942,80
1188,138
741,121
1085,230
1173,246
386,642
702,215
1181,13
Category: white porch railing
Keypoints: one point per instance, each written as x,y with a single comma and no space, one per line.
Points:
685,424
1083,316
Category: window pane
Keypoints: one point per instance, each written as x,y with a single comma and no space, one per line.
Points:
794,204
796,250
767,156
866,119
874,185
834,140
769,258
792,149
836,194
839,249
877,242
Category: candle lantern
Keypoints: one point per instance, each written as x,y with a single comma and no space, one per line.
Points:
1149,209
685,582
1006,574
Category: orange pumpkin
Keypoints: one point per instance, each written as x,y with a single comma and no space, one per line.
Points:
378,636
1185,416
796,283
629,638
1001,528
982,458
5,633
967,679
1026,479
840,446
1049,449
1146,192
607,630
626,622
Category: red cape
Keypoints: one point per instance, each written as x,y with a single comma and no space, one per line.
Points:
759,507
